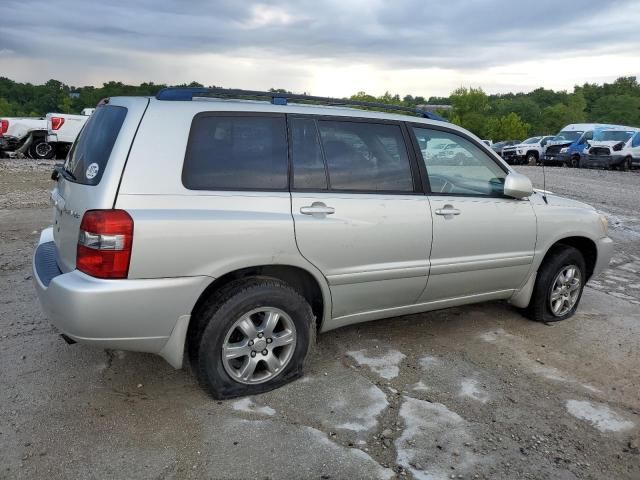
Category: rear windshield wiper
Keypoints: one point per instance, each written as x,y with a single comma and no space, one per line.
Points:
59,169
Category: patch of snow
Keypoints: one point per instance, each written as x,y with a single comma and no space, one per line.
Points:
363,416
386,365
249,406
420,387
591,388
469,388
429,361
600,417
494,335
433,439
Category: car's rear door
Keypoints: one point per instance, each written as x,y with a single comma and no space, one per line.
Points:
359,215
483,242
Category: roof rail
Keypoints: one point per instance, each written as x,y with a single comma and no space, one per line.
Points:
277,98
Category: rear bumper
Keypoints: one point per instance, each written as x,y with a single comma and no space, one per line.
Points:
136,314
605,252
52,138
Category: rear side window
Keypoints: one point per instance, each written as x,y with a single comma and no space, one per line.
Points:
363,156
236,153
90,153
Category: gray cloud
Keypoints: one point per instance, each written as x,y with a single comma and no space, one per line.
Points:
458,34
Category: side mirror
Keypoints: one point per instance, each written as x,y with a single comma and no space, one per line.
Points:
517,185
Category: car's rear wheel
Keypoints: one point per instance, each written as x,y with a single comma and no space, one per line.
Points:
40,149
559,285
253,339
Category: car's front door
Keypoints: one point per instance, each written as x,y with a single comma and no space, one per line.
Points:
359,216
483,242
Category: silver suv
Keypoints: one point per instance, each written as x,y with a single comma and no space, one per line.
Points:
231,230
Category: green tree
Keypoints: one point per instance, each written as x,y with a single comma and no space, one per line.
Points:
619,109
507,127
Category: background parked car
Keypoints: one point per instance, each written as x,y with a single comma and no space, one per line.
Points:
25,135
41,138
530,151
570,144
611,148
498,146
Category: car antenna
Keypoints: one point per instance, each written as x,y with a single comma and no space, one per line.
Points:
544,184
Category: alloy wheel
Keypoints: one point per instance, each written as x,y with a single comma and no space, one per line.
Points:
565,290
259,345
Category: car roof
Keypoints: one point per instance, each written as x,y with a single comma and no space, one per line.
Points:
213,104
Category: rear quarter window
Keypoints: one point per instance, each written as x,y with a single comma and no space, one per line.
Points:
90,153
236,153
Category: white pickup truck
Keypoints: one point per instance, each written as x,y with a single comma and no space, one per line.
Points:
63,128
529,152
41,138
24,135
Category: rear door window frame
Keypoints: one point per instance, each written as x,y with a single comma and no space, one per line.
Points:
418,186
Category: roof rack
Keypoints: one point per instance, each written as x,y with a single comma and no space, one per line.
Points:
277,98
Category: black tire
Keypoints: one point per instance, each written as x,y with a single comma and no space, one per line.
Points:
215,318
557,259
574,162
40,149
531,159
626,165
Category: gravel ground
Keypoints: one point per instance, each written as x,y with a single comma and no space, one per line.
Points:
473,392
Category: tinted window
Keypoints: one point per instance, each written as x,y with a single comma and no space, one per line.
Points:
461,167
636,141
306,154
90,153
365,157
236,153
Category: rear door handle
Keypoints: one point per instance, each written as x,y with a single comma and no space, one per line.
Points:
317,208
448,210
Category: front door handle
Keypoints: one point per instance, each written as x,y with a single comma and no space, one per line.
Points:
447,211
317,208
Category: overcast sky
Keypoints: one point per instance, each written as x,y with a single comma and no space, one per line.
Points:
324,47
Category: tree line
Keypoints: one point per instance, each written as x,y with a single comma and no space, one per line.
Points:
498,117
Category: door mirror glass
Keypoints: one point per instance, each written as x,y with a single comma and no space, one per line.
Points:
517,185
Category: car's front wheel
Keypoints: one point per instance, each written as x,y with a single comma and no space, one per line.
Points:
254,339
531,159
559,285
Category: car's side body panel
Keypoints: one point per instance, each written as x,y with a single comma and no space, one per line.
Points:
373,258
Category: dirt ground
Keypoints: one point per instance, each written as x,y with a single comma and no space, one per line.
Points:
473,392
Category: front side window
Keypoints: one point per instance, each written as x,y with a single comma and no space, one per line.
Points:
636,141
363,156
461,168
236,153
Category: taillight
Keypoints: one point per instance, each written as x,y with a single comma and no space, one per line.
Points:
4,126
104,243
56,122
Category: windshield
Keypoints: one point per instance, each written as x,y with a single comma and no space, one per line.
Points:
568,136
612,135
532,140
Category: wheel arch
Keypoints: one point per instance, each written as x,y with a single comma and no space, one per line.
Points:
584,245
314,290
